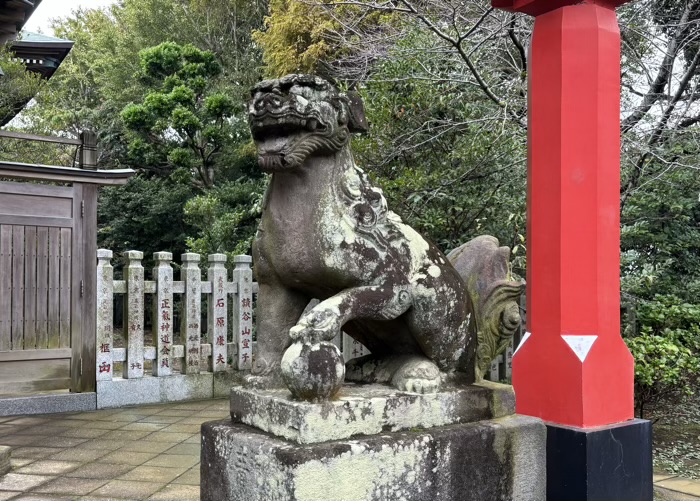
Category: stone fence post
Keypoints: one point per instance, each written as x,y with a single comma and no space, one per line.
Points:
218,311
133,314
162,324
191,277
243,311
105,315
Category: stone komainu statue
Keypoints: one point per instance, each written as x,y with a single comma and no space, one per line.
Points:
326,233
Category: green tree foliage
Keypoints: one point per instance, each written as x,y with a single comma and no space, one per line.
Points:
183,124
146,214
166,94
666,350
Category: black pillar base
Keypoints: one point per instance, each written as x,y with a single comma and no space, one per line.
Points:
608,463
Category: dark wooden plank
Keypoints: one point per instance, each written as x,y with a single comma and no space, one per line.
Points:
5,287
18,170
58,222
36,189
54,288
20,355
29,287
77,278
42,287
65,287
89,297
13,204
36,137
17,287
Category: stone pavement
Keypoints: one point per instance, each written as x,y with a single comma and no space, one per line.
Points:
136,453
139,453
675,488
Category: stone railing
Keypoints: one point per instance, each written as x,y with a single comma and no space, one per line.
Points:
196,362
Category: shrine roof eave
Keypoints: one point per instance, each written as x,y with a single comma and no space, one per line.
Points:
538,7
13,15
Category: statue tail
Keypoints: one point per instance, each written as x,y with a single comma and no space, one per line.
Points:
483,266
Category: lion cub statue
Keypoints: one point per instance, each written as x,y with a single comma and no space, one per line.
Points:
326,233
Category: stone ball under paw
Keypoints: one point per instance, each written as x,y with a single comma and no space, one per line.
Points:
313,371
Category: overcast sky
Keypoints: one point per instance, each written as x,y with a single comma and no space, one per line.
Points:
48,9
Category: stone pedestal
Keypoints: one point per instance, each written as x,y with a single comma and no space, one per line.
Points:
461,444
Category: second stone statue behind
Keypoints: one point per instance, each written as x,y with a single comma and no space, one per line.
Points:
326,233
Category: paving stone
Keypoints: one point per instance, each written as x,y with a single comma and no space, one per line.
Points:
52,441
159,418
22,483
175,413
177,493
681,485
153,473
128,457
34,452
106,471
4,495
71,485
182,428
192,406
190,477
128,489
174,438
8,429
198,420
102,498
83,432
20,440
103,425
101,444
173,460
119,435
18,463
82,455
43,497
658,477
28,421
43,430
5,464
184,448
194,439
141,426
156,447
48,467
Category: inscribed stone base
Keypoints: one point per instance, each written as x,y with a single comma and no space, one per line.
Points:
368,409
496,460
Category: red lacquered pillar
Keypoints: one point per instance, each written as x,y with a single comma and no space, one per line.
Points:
572,368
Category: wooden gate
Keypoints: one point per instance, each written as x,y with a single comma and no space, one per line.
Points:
41,280
48,244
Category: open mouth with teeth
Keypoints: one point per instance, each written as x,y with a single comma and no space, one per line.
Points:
276,133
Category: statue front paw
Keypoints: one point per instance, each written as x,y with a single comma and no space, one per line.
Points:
319,324
417,375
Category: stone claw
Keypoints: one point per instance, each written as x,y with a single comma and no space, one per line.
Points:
319,324
417,375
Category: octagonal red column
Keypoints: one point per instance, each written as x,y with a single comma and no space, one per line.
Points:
573,367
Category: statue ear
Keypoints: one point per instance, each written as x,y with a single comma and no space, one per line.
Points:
358,121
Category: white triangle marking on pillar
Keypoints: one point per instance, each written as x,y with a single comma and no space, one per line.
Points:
581,345
522,342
